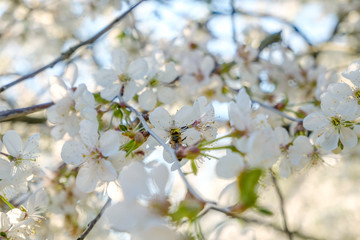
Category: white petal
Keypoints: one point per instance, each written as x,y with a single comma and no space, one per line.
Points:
138,69
147,100
89,133
185,116
119,60
160,118
71,74
158,232
58,89
352,73
282,135
166,95
74,152
110,92
122,222
109,142
315,121
191,136
130,89
87,178
31,146
105,171
160,174
37,203
169,75
230,165
207,65
105,77
243,101
329,139
13,143
4,222
284,168
5,169
348,137
133,179
57,132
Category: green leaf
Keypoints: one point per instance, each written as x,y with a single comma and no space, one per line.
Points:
264,211
99,99
194,167
118,114
273,38
188,208
247,183
123,128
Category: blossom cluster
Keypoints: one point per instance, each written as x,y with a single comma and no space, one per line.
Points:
166,112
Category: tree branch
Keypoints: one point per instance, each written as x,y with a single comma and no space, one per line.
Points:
282,208
271,108
94,221
279,19
21,112
233,27
256,221
67,54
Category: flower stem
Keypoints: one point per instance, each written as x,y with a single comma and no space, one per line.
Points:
7,202
215,140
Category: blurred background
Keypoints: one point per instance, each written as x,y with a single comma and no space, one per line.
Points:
324,202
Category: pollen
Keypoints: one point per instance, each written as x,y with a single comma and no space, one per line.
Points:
335,121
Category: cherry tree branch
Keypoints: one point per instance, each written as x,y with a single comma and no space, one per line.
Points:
67,54
94,221
282,208
259,222
279,19
21,112
274,110
233,27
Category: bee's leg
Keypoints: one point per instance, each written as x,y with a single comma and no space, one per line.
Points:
183,139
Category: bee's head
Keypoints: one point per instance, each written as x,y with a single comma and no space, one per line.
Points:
175,131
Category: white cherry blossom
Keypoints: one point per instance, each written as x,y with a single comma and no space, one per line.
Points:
92,154
123,78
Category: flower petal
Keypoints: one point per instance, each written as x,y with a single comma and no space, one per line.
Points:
109,142
119,60
329,139
348,137
87,178
13,143
166,95
185,116
147,100
105,77
315,121
160,118
74,152
31,147
137,69
230,165
89,133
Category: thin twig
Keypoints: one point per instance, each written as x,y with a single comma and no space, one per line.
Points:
279,19
94,221
20,112
172,153
67,54
258,222
271,108
233,27
282,205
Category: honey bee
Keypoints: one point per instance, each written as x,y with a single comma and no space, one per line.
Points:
176,140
